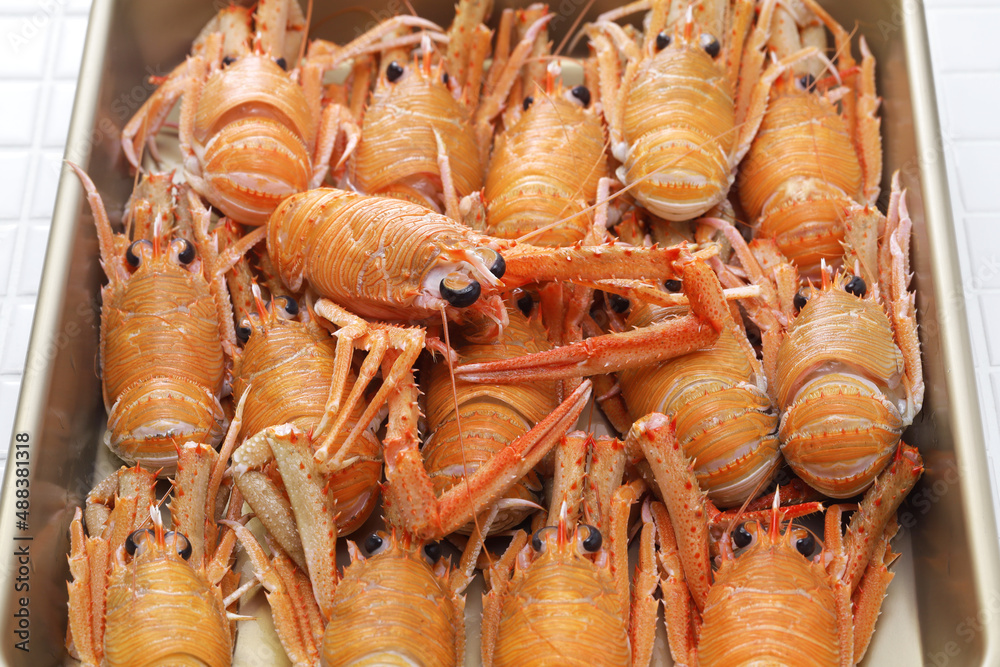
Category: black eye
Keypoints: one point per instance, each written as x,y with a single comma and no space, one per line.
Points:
618,303
493,259
581,93
805,545
525,304
672,285
808,82
710,44
227,61
799,301
459,290
373,543
433,551
134,253
662,41
393,71
287,307
856,286
282,63
244,330
536,540
594,540
182,542
186,254
742,537
135,540
528,101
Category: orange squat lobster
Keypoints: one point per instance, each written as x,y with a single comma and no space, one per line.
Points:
800,607
398,602
142,596
845,371
804,204
165,326
252,132
285,367
397,261
564,598
547,166
487,417
683,113
726,422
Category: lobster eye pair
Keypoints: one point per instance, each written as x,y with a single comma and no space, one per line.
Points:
591,543
138,539
181,249
802,539
856,286
580,93
285,307
376,544
707,42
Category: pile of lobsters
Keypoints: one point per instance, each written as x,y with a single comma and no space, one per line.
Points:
390,277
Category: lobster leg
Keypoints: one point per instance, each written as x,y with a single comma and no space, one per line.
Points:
313,515
329,55
298,620
500,580
630,349
335,119
642,620
469,14
894,278
153,113
678,610
867,599
569,470
654,436
867,138
377,339
282,28
88,564
493,102
877,509
410,499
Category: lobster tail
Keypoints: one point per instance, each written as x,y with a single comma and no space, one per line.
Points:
251,165
155,416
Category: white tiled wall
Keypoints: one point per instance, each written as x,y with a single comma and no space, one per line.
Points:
41,42
967,78
40,46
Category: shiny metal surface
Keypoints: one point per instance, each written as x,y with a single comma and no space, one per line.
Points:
943,607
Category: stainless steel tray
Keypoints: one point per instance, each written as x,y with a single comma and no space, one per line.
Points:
943,607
